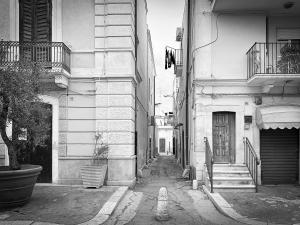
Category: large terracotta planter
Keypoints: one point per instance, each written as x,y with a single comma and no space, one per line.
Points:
16,186
93,175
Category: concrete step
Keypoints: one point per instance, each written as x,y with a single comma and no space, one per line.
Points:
235,173
233,180
230,167
234,188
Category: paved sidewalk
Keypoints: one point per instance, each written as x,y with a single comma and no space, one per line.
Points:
271,205
67,205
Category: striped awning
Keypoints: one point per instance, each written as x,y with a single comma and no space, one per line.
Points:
278,116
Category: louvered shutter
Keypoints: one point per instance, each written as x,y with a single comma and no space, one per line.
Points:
42,31
35,30
279,151
26,20
26,28
42,21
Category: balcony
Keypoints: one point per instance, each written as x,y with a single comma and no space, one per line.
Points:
275,6
273,64
178,62
53,57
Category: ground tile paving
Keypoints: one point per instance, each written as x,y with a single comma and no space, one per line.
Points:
272,204
67,205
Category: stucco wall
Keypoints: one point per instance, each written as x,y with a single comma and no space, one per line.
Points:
236,35
143,91
4,21
78,31
243,104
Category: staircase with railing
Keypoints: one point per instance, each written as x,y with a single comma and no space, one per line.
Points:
226,177
251,160
209,161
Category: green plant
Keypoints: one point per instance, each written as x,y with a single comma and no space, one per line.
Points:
290,58
100,150
21,107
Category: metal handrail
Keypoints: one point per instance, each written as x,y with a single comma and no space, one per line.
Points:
251,160
273,58
209,161
50,55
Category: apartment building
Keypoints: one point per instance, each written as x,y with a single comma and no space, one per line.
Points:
98,54
238,104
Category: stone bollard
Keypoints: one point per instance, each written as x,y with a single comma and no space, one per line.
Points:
162,205
195,184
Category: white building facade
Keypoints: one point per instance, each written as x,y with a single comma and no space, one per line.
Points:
103,71
241,85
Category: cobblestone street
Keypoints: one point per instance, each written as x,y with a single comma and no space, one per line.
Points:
139,205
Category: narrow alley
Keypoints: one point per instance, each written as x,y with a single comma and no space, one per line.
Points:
139,205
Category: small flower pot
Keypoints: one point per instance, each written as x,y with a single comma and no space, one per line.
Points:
93,176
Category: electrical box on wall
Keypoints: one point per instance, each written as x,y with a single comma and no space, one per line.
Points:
248,119
247,122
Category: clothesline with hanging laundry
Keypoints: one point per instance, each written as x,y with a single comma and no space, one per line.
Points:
170,57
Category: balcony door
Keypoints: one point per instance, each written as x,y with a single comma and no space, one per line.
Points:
35,30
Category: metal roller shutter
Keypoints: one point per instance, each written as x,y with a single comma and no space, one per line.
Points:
279,156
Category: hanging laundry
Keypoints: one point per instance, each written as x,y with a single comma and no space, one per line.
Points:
173,57
166,59
169,59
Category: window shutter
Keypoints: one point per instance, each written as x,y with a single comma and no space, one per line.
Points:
35,20
42,21
26,19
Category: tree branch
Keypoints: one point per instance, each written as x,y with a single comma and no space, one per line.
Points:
3,120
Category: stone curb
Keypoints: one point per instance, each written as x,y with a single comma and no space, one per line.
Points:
104,213
224,207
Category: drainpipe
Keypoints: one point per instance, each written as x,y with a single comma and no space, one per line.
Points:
135,101
148,97
154,125
187,80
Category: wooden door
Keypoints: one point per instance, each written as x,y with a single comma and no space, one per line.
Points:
224,137
162,145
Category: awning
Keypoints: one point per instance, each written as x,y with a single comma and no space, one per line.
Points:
279,116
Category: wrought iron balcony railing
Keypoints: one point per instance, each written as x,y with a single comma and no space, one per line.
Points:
53,56
274,58
178,60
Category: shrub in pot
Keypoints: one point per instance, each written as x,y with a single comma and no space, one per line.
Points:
93,175
20,108
290,58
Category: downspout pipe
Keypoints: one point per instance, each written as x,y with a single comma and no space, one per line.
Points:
187,80
135,101
154,125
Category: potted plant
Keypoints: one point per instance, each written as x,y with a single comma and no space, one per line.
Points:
21,109
289,62
93,175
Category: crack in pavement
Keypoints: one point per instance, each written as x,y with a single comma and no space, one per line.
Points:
126,210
